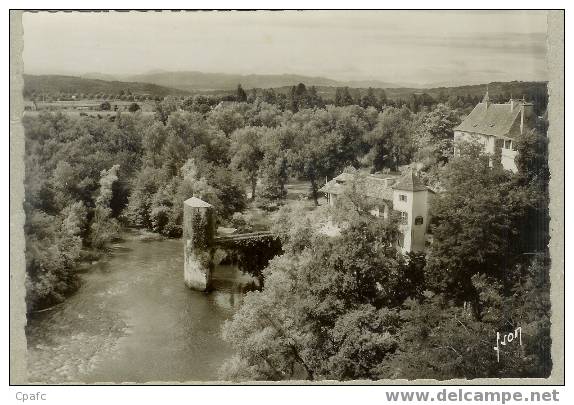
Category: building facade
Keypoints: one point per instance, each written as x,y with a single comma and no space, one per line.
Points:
497,126
403,194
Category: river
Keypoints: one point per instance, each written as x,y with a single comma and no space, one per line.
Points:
134,320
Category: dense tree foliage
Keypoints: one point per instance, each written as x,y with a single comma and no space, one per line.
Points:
77,173
335,305
134,107
481,222
441,340
352,307
391,140
434,135
247,153
346,307
322,312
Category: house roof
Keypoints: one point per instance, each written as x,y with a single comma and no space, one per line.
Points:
374,186
491,119
197,203
410,182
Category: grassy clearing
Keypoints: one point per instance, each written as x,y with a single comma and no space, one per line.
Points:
297,192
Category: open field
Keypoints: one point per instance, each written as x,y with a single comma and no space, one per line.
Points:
90,108
87,104
95,114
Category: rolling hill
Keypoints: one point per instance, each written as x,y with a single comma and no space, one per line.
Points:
54,84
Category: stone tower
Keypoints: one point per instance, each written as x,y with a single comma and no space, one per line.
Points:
411,199
198,234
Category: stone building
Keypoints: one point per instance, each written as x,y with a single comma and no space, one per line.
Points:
497,126
386,193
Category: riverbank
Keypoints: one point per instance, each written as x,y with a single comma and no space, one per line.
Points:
133,320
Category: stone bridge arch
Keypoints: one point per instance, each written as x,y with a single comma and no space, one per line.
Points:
201,242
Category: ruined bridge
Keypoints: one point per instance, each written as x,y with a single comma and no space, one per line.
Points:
201,242
239,237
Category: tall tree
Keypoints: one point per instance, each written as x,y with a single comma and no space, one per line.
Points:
240,94
104,228
370,99
476,222
274,170
246,153
390,142
343,97
434,136
314,99
164,108
534,176
320,314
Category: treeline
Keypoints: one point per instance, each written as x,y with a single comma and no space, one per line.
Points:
78,174
106,97
58,87
69,88
456,97
300,97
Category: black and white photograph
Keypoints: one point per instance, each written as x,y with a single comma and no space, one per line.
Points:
305,196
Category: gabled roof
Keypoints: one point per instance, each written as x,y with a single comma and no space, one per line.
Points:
491,119
374,186
410,182
197,203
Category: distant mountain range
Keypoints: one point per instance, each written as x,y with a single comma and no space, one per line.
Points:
199,81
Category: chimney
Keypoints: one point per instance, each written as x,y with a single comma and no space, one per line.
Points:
486,99
526,114
522,120
528,109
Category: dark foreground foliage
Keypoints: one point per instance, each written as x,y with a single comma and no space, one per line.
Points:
352,307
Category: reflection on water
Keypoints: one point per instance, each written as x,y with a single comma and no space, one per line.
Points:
133,320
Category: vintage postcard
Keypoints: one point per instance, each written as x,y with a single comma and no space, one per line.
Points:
370,196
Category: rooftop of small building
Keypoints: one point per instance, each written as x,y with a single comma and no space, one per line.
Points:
197,203
410,182
376,185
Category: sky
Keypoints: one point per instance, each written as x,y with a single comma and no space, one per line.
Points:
419,47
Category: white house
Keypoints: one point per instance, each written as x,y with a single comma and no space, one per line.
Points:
404,194
497,126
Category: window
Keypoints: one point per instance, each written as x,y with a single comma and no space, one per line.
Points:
507,144
403,197
419,220
404,217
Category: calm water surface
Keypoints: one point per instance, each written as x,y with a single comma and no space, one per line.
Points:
133,320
